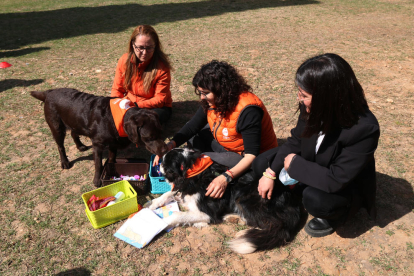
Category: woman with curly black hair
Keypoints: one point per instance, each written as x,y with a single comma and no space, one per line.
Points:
232,124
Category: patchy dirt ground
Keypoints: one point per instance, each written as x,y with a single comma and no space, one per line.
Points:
44,227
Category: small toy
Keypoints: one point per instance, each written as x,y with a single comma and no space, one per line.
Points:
157,171
127,177
118,197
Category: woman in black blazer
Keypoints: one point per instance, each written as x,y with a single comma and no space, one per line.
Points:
330,153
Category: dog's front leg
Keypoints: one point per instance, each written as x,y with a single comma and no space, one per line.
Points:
97,154
112,154
160,201
194,218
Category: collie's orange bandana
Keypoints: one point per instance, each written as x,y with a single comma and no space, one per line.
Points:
119,107
202,163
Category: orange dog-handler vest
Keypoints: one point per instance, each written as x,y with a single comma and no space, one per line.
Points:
119,107
202,163
224,129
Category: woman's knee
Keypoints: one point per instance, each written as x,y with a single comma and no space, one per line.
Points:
324,205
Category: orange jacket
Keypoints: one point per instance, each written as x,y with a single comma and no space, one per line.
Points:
159,94
118,108
224,129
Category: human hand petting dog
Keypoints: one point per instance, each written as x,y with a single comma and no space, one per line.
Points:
171,144
265,187
217,187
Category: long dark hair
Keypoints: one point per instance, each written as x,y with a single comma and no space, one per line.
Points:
224,82
337,97
152,68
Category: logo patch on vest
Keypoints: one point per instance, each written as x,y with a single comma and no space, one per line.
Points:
124,103
225,132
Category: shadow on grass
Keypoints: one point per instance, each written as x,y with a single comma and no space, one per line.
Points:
84,158
11,83
182,113
395,199
22,52
25,28
80,271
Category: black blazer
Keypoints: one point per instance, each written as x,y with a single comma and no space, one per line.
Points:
345,159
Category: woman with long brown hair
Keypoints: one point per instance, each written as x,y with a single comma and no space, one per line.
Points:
143,73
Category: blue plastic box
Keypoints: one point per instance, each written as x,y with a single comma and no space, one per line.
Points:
158,183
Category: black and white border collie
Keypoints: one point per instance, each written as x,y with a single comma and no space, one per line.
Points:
274,222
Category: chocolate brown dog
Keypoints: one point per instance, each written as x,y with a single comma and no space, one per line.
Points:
89,115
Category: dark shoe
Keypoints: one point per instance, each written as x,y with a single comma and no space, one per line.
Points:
318,227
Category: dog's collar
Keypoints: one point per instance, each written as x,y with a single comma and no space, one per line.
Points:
119,110
129,114
201,164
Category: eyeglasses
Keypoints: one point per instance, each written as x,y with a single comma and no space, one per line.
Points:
200,92
141,48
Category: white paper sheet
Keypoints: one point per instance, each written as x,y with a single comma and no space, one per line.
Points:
145,225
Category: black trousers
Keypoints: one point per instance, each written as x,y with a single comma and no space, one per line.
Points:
164,113
318,203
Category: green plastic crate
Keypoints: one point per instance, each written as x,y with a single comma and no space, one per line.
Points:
111,214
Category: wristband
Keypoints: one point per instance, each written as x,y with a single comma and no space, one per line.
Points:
231,174
228,177
270,173
268,176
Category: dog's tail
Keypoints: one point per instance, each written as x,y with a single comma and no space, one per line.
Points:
40,95
275,232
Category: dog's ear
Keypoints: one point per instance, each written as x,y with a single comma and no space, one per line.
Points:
173,167
150,125
192,156
132,127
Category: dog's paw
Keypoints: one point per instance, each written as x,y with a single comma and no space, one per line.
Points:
65,165
153,204
83,148
97,184
172,220
149,205
200,225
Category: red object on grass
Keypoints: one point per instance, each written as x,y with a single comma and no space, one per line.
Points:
4,64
